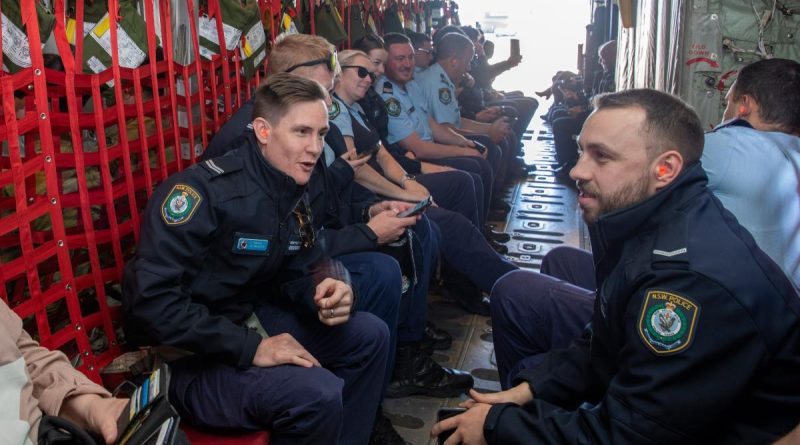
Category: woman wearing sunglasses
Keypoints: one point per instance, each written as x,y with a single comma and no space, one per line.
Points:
386,177
462,245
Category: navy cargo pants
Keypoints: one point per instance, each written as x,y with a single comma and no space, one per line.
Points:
533,313
334,404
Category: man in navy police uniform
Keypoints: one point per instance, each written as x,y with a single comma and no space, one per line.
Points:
228,268
695,335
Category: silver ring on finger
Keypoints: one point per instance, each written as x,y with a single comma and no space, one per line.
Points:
331,313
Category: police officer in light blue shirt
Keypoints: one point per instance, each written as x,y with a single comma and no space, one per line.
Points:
410,125
404,117
753,159
439,93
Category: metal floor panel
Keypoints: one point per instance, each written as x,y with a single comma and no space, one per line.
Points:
544,214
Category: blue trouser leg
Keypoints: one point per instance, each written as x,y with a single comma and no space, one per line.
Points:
331,405
467,251
531,314
477,166
356,352
453,190
376,280
411,325
564,131
575,266
298,405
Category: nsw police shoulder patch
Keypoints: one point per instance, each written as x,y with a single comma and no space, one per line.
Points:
667,322
180,204
393,107
445,96
334,111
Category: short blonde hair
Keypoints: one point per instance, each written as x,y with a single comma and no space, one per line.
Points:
293,49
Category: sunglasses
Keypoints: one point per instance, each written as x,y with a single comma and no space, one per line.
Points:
329,61
426,51
362,72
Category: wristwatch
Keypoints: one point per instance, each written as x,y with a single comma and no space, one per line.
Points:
407,177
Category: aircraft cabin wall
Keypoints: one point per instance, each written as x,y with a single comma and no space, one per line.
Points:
694,48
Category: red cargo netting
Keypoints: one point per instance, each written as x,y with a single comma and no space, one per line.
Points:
81,154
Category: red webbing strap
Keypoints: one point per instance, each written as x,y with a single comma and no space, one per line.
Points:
214,8
169,55
113,8
211,65
79,24
268,12
237,64
200,87
60,33
152,47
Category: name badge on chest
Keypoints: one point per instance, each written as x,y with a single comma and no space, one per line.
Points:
294,245
250,244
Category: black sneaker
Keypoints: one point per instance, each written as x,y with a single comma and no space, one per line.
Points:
383,432
417,373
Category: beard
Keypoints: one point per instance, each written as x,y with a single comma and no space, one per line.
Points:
626,196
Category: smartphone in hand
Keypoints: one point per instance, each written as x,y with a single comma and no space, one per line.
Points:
417,209
515,51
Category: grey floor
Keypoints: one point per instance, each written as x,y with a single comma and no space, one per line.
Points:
544,215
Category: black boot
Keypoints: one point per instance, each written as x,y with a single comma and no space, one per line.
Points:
416,373
439,338
492,235
383,432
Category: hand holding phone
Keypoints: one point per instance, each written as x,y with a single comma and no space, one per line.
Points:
417,209
515,51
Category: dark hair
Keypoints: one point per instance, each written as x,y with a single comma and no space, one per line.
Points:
418,39
453,45
449,29
282,90
393,38
471,32
775,86
369,42
669,122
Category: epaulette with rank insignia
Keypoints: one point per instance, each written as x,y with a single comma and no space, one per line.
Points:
444,79
387,87
222,165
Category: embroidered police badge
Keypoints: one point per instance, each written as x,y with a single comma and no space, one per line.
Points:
334,111
180,204
445,96
393,107
667,322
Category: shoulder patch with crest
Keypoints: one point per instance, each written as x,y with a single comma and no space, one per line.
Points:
334,111
180,205
393,107
445,96
667,322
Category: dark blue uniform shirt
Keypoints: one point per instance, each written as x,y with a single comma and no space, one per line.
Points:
695,336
